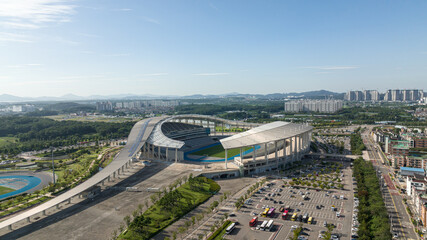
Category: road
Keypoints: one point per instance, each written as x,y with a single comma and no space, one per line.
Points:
400,221
97,218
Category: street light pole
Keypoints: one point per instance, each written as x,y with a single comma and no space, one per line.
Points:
53,166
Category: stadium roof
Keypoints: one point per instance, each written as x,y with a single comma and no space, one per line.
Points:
264,134
158,138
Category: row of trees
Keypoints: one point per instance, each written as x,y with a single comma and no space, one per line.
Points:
168,206
249,193
373,217
35,133
356,142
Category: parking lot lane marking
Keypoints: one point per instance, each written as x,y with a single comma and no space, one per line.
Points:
275,234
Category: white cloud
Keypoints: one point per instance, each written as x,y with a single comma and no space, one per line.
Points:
123,9
19,25
38,82
155,74
333,67
64,41
87,52
210,74
31,14
89,35
80,77
212,6
13,37
24,65
117,55
151,20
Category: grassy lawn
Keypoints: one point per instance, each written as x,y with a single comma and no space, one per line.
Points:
4,190
160,218
218,151
5,141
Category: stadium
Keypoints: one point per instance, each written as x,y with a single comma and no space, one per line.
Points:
249,148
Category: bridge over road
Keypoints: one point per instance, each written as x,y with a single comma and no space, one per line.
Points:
137,137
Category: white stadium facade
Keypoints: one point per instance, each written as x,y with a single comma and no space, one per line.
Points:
259,147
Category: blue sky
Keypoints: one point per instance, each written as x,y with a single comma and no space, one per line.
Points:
56,47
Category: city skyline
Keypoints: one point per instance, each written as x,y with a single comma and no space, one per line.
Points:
54,48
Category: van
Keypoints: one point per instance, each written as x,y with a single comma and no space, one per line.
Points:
305,218
342,197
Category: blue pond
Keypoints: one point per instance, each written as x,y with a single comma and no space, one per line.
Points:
27,183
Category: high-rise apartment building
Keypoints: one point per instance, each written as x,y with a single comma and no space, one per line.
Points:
321,106
392,95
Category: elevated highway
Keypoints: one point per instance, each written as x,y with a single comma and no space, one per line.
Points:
137,137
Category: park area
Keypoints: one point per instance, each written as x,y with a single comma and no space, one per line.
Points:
170,207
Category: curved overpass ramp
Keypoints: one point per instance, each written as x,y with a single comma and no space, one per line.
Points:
137,137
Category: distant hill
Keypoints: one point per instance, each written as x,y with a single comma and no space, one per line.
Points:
71,97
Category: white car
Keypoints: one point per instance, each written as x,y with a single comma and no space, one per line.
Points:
321,234
335,237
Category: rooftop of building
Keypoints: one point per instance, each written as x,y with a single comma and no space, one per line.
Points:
401,146
412,169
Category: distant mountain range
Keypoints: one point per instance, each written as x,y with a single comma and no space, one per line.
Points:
72,97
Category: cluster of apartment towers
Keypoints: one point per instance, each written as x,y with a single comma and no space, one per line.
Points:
395,95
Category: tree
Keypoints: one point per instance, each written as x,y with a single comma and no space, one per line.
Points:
140,225
114,234
140,208
153,198
127,220
193,220
135,213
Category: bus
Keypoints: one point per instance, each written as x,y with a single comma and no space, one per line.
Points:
285,214
310,220
263,224
294,217
253,222
270,212
264,214
269,225
230,228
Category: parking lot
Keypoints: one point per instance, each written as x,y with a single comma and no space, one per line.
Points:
324,206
